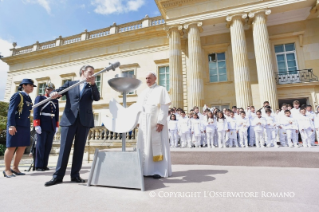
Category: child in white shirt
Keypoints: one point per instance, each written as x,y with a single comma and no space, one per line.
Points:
232,130
270,128
258,124
184,130
221,129
242,126
210,130
173,130
251,114
290,125
311,114
306,127
197,130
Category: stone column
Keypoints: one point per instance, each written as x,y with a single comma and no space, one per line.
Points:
240,60
266,75
195,90
175,66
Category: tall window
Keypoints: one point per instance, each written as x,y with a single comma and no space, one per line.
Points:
217,67
98,82
41,90
163,77
129,73
286,58
63,82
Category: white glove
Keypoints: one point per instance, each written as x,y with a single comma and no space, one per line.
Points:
56,130
38,129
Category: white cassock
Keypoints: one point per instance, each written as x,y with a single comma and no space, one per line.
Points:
154,146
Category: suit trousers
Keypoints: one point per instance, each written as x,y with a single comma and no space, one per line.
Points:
43,148
79,133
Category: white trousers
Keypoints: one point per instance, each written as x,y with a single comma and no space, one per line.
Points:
173,137
221,138
232,138
271,137
306,137
243,138
291,137
252,136
186,139
197,139
203,138
210,138
283,137
260,141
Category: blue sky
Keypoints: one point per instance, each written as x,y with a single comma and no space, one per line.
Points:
28,21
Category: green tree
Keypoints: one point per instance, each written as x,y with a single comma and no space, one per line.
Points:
3,125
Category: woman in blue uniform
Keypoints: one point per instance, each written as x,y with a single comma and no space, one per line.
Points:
18,127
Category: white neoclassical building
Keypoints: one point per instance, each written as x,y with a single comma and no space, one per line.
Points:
215,52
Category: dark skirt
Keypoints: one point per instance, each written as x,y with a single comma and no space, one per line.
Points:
21,138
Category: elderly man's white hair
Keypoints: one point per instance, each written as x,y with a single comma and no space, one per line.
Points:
153,73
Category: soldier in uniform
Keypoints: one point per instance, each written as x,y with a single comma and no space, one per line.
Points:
46,123
18,127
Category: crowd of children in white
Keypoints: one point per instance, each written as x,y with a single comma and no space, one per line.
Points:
237,127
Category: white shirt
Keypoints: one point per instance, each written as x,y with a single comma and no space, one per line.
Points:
295,112
270,122
243,123
222,125
210,125
232,123
304,122
288,123
184,125
259,124
197,127
173,125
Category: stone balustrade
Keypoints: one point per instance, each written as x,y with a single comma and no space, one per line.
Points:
47,45
130,26
99,33
157,21
145,22
72,39
101,138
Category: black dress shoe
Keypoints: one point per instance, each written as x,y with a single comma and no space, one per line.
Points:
39,169
7,176
52,182
77,180
156,176
46,169
17,173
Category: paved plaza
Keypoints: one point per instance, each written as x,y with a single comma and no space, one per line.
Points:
191,188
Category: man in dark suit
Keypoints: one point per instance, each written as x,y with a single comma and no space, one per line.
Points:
46,123
75,124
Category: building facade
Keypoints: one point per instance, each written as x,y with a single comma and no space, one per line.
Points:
215,52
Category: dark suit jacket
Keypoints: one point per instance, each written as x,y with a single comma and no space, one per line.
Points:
79,105
16,119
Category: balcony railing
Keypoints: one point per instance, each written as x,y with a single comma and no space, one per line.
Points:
298,76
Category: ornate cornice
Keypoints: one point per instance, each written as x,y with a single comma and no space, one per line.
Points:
224,12
144,33
42,79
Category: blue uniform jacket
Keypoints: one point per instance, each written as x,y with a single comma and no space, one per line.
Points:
79,105
47,123
16,119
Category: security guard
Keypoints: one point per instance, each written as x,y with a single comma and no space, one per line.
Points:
46,123
18,127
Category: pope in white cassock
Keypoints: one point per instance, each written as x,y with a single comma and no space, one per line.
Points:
152,135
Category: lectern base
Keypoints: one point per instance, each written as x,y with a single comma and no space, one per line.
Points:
117,169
